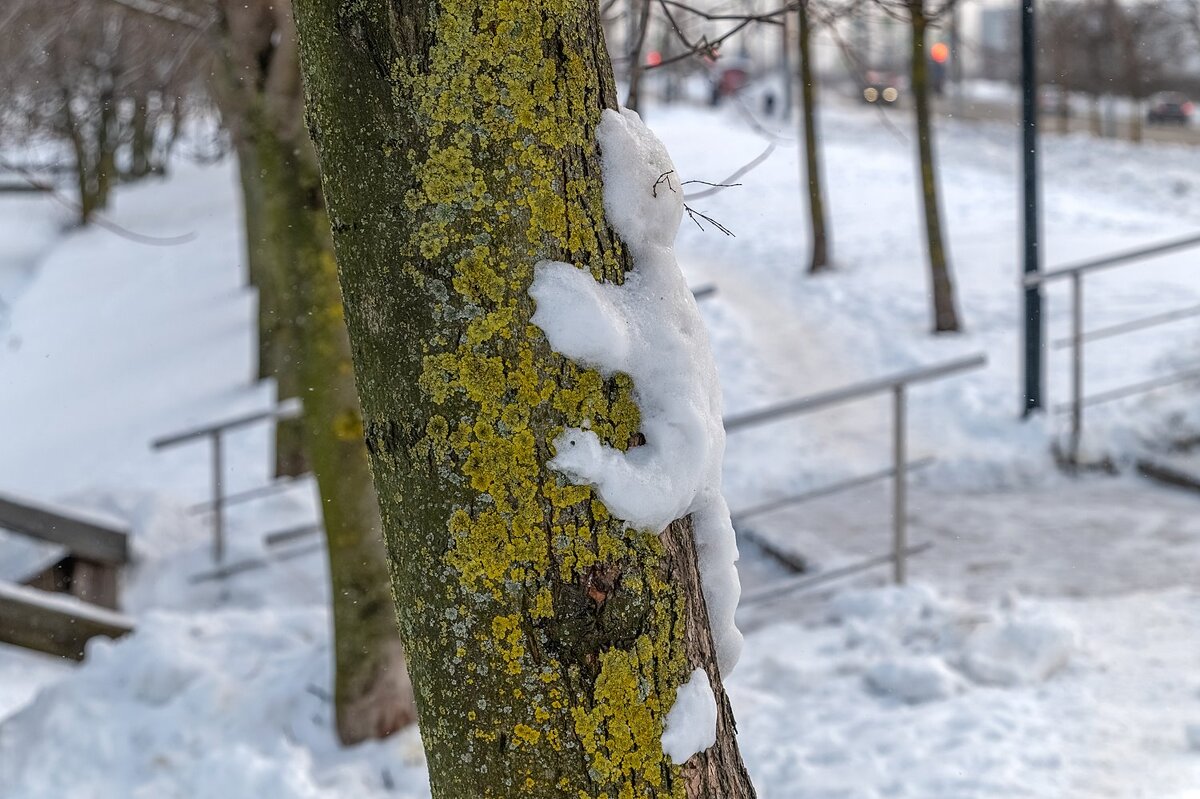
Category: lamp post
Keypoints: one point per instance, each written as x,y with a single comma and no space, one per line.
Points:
1032,349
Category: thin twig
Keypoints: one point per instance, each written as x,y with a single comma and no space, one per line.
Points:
693,213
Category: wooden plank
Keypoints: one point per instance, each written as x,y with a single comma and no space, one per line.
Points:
95,583
89,539
53,623
22,557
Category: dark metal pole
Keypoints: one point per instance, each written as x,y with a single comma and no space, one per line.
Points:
899,485
1032,253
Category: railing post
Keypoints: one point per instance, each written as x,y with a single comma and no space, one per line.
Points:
1076,365
900,486
218,499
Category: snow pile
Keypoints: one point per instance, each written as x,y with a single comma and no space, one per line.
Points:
649,328
1019,651
917,679
692,723
231,703
921,646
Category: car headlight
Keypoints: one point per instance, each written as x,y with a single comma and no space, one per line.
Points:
870,94
890,94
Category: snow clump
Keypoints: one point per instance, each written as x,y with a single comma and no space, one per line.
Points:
692,723
650,329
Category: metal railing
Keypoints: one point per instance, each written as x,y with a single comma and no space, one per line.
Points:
214,433
897,386
1078,337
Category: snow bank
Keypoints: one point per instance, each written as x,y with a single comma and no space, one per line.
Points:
692,723
231,703
649,328
875,700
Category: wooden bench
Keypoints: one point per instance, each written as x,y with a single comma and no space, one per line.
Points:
85,564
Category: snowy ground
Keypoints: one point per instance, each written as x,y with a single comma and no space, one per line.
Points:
1049,652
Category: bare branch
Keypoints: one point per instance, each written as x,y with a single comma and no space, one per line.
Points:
167,12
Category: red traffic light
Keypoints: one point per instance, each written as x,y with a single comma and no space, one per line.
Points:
940,52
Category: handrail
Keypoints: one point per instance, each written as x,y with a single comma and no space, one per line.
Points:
1134,325
826,490
804,581
1128,391
214,432
856,391
1076,272
897,385
1038,278
287,409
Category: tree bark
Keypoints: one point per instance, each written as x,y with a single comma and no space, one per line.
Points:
819,255
288,230
945,312
546,641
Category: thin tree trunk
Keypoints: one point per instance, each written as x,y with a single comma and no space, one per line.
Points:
819,256
945,313
239,85
311,353
141,142
636,66
546,641
1135,119
106,150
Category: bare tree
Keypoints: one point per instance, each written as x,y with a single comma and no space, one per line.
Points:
818,235
256,81
103,82
921,16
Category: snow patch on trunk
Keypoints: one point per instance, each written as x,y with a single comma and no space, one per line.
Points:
649,328
692,723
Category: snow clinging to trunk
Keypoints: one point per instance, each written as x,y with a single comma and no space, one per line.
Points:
650,329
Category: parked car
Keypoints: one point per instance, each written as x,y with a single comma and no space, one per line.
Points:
880,87
1169,108
729,76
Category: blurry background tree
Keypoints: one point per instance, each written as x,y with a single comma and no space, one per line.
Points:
920,16
115,80
819,258
104,87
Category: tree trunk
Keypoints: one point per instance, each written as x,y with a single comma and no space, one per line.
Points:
288,232
141,143
245,55
945,314
546,641
819,260
84,167
106,150
636,66
1135,119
